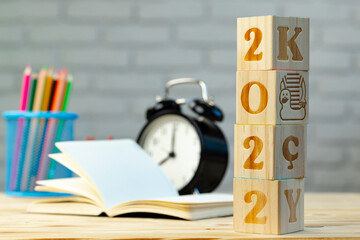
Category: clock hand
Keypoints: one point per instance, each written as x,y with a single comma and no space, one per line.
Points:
173,139
164,160
171,155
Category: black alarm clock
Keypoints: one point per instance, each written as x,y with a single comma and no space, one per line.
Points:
191,150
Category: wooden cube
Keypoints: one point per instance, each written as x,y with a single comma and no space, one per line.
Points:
268,206
270,151
270,42
272,97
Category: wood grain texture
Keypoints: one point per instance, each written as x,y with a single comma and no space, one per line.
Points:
327,216
276,151
263,206
270,42
272,97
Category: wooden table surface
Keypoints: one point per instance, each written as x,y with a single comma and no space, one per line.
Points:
327,216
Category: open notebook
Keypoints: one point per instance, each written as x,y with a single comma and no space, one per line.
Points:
116,177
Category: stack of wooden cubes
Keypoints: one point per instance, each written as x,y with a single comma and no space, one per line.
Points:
271,120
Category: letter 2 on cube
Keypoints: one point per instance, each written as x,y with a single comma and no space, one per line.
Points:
270,42
268,206
270,151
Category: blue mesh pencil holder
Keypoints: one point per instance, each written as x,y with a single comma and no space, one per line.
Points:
30,138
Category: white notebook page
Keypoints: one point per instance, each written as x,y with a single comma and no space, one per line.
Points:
120,169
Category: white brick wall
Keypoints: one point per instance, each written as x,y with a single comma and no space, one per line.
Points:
23,11
62,33
160,58
137,34
94,57
170,10
84,10
121,53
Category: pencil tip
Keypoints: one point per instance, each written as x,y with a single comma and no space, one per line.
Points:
70,77
50,71
27,70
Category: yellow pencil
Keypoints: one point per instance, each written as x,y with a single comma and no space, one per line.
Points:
47,90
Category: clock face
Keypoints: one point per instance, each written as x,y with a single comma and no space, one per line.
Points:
173,143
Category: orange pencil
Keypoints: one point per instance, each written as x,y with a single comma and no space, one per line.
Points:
59,91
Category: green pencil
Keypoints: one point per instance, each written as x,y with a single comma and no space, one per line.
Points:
67,93
32,94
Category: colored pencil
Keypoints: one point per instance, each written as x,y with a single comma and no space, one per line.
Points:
20,127
29,92
53,86
67,93
47,90
42,126
39,94
19,170
52,167
59,92
25,88
33,90
50,135
35,137
33,132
